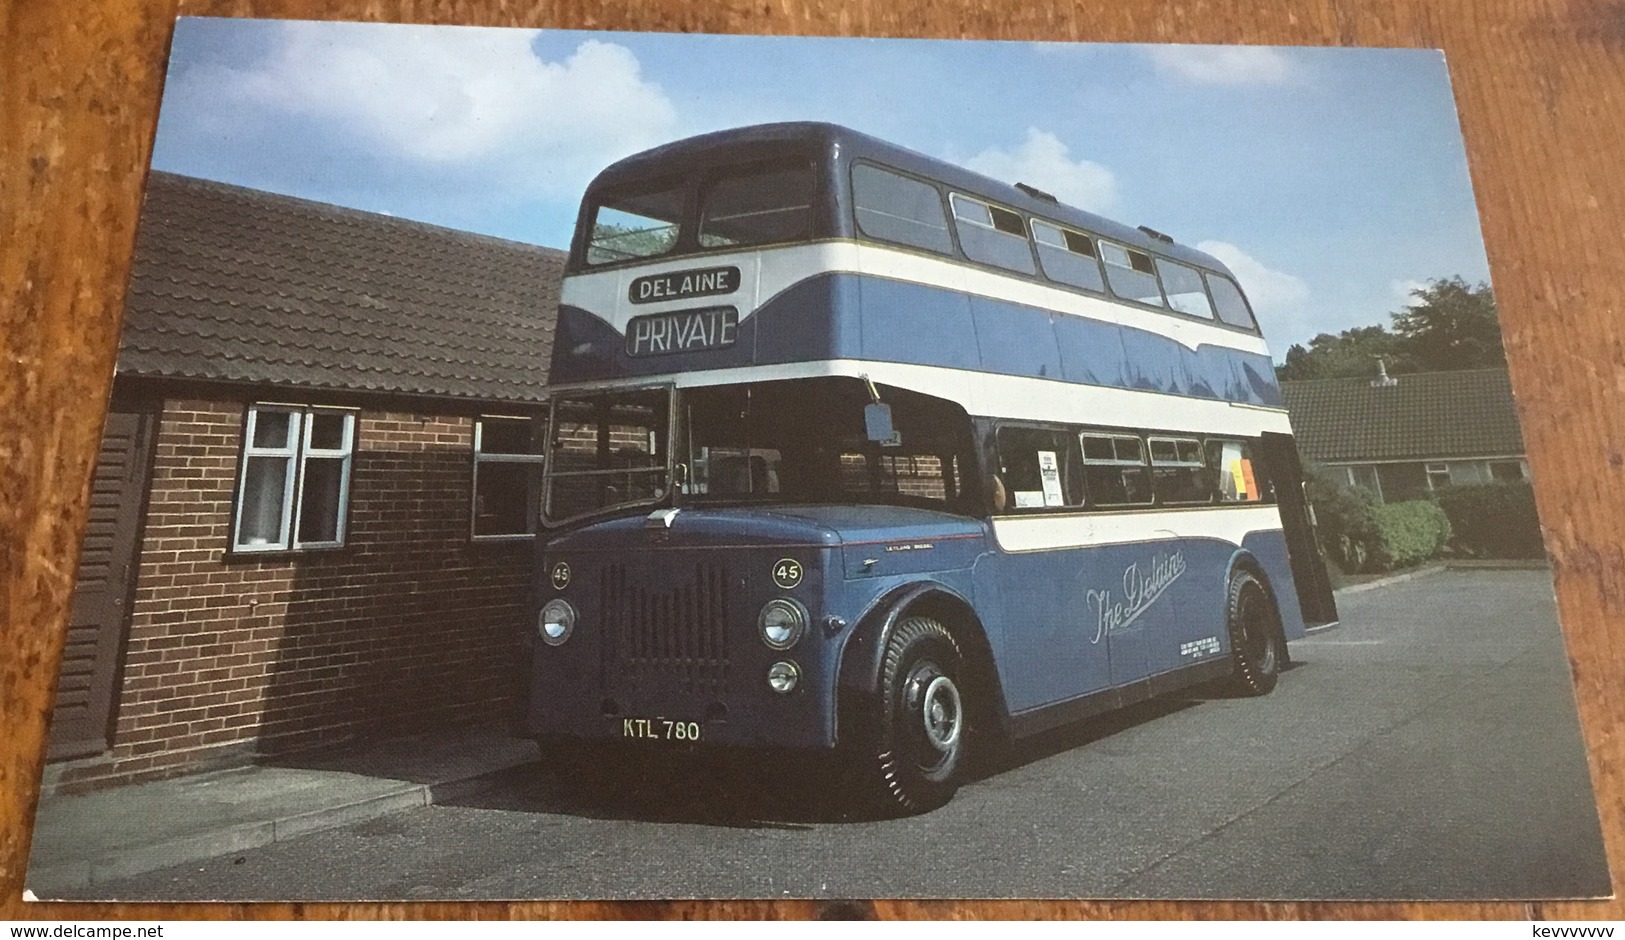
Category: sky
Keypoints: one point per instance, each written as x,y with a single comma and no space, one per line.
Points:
1332,181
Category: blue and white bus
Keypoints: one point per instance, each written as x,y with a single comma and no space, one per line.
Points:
854,450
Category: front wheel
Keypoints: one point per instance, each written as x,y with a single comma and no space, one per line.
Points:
919,745
1257,646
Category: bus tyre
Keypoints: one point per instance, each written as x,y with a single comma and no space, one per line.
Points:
1255,635
920,746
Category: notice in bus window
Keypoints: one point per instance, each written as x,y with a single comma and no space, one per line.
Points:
1050,472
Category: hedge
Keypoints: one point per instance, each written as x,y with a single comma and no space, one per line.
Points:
1493,520
1363,535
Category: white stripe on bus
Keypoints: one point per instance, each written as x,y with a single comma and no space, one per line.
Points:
768,272
1093,529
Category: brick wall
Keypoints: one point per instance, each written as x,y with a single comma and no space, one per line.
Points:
409,625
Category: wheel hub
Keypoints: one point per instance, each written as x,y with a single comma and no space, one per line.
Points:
941,713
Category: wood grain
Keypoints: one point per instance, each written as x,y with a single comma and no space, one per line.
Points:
1540,87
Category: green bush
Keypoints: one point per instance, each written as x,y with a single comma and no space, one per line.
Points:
1406,534
1493,520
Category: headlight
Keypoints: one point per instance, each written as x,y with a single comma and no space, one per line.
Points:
556,621
782,622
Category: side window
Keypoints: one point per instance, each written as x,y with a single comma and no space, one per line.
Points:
1038,469
1231,304
1068,256
1131,274
1178,472
898,209
992,234
508,459
1114,470
1239,481
1183,285
635,225
294,484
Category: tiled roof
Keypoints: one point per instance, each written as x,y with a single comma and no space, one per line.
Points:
1422,416
239,285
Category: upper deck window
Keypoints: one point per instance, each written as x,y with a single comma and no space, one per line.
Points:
895,208
1232,305
1184,286
992,234
635,225
1068,256
758,207
1131,274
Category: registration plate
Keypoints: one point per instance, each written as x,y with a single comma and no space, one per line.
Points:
660,729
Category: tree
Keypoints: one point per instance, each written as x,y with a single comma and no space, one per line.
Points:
1451,326
1351,353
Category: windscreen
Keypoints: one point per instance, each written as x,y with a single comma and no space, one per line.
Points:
718,208
607,450
803,441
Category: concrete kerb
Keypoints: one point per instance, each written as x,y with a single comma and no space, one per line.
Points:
1516,564
111,863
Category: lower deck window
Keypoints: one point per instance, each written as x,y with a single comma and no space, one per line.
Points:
1038,469
1238,477
293,488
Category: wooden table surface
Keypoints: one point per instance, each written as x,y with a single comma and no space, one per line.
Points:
1540,87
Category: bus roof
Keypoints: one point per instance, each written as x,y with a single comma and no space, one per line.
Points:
766,140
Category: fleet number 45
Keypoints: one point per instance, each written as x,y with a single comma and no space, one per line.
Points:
660,728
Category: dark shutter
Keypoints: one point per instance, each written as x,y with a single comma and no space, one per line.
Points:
82,718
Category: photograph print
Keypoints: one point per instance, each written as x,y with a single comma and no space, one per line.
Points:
579,465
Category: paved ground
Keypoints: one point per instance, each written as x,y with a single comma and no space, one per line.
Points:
1428,748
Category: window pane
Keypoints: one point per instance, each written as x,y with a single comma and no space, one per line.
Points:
1232,306
1037,468
1237,478
898,209
1163,451
1506,470
1183,484
608,450
759,207
327,431
502,498
1184,287
1067,257
271,428
1126,281
265,481
637,225
320,501
505,436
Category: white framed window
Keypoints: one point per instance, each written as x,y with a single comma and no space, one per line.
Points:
508,455
293,487
1438,475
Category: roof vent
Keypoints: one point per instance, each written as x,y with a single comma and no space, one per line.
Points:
1037,193
1383,379
1156,234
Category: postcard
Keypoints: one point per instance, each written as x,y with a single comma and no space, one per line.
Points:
553,464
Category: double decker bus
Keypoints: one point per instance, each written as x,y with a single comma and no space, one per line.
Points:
854,450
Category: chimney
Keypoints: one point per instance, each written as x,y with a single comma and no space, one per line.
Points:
1383,379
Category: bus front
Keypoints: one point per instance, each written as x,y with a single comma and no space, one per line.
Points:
724,497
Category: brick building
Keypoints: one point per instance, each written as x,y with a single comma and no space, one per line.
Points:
313,515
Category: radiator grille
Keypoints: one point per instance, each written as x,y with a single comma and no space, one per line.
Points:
676,632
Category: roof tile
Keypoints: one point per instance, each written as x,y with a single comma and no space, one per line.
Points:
241,285
1422,416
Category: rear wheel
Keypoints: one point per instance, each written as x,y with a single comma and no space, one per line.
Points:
1257,646
918,749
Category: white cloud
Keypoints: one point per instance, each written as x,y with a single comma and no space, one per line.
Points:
1280,299
1222,65
1403,289
455,97
1042,160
